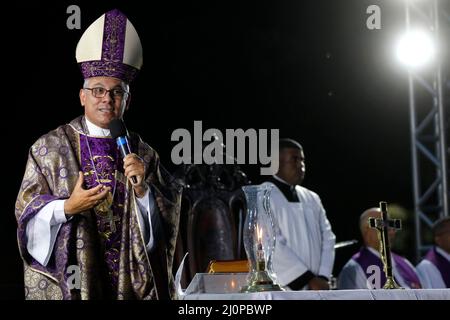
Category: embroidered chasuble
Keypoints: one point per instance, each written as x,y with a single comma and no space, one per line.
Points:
106,243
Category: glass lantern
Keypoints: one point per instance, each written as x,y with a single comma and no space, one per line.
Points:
259,239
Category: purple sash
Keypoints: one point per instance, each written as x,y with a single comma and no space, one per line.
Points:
365,258
106,160
442,264
407,272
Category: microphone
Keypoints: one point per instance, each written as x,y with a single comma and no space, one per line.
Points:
119,133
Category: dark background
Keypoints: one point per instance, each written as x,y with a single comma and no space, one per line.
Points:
309,68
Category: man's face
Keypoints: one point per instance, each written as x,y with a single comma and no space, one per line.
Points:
101,110
292,165
443,239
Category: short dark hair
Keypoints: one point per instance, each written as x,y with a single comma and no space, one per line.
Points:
439,225
289,143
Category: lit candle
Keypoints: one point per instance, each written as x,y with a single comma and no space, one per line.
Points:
259,251
259,237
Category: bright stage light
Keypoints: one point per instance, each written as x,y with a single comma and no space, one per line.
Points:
415,48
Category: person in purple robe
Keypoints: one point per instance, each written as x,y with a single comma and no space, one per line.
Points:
365,269
86,228
434,269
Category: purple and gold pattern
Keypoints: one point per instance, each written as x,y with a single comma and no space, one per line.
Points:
113,47
77,243
114,36
120,71
104,154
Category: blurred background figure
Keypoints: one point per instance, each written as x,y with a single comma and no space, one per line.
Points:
434,269
365,269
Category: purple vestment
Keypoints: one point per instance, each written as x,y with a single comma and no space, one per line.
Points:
365,258
113,264
442,264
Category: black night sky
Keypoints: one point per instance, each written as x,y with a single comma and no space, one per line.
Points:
311,69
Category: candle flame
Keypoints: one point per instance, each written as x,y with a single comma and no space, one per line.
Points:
259,232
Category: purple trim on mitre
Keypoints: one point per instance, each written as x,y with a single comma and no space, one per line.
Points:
114,36
113,48
102,68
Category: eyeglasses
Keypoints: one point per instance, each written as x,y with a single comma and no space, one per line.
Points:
100,92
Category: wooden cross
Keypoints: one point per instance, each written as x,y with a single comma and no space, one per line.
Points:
381,225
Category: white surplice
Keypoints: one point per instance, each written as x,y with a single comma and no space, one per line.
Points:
304,239
429,274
